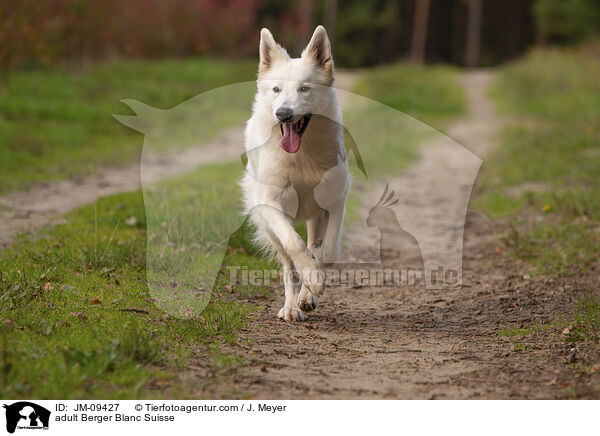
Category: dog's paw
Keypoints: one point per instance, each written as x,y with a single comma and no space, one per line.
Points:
307,300
290,314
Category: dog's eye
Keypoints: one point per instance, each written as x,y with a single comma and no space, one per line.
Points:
276,90
304,88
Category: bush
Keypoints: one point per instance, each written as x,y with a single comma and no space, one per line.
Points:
567,20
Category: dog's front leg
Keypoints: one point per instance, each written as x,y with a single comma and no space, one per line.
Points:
326,252
290,310
330,194
329,250
279,227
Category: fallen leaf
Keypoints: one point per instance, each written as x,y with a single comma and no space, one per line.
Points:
131,221
79,315
45,327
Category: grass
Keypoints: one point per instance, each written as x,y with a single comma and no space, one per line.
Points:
430,94
383,127
77,317
519,346
520,333
586,323
526,331
57,123
580,330
545,177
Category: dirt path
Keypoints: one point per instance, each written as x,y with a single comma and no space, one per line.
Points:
411,342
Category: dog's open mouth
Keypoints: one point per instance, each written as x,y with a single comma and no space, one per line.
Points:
292,132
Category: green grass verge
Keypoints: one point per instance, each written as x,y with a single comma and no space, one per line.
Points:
548,164
582,327
55,124
77,319
526,331
385,130
545,178
585,325
431,94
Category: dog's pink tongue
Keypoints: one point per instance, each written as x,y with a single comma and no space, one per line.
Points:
290,141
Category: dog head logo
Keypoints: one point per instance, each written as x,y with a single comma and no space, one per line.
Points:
26,415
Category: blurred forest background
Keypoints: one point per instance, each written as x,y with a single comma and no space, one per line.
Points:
462,32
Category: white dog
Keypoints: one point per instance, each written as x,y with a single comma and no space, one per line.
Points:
297,168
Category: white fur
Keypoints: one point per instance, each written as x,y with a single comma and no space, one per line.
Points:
311,185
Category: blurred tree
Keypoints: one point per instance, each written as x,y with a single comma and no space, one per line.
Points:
34,32
367,33
28,34
329,18
566,20
305,23
418,45
473,33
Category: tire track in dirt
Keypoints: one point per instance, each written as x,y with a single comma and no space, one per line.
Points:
410,342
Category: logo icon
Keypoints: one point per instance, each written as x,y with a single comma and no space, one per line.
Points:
26,415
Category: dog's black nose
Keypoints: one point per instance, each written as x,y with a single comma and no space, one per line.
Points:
284,113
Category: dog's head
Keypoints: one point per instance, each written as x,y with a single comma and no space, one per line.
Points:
291,90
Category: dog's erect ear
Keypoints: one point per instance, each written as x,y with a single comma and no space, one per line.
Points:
269,50
319,50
